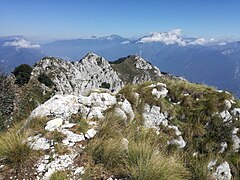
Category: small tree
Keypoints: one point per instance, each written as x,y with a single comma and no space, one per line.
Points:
22,74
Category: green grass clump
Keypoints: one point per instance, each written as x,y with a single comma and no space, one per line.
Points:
37,125
108,152
237,105
128,93
145,161
198,166
107,148
59,175
141,159
14,149
61,149
112,126
81,124
234,160
56,136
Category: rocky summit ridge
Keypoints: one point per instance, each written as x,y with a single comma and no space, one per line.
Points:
92,72
118,120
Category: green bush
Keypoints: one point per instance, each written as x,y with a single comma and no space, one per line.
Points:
43,78
22,74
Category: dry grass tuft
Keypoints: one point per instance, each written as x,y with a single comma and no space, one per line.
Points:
14,149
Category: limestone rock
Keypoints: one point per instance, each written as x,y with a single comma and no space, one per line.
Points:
90,133
54,124
223,172
153,117
58,106
38,143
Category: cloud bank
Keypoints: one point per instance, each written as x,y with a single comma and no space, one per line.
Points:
21,43
172,37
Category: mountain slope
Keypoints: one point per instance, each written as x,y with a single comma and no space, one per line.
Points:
134,69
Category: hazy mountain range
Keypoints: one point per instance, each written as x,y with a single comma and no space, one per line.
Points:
199,60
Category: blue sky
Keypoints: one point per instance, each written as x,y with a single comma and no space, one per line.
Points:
59,19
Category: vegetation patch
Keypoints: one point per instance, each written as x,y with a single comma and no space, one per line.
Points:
60,175
145,161
55,135
81,124
105,85
37,125
43,78
22,74
14,149
195,109
29,97
6,101
61,149
132,152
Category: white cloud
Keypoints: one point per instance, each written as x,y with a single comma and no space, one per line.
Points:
199,41
21,43
177,32
171,37
174,37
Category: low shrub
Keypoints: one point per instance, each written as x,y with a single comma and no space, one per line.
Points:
6,101
43,78
22,74
29,97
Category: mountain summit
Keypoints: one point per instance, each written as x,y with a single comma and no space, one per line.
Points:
94,71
